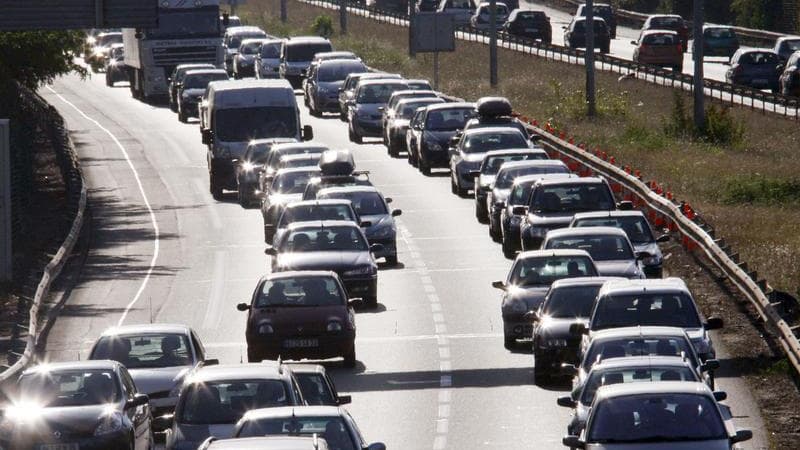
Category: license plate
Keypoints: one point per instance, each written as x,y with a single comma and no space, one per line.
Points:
57,447
301,343
531,30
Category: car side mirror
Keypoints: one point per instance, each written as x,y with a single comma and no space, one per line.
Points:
376,248
663,238
566,401
137,400
578,328
454,140
163,422
709,366
474,173
308,133
272,251
642,255
211,362
720,396
381,109
341,90
397,212
389,199
741,436
625,205
208,137
714,323
356,303
519,210
573,442
499,285
377,446
568,369
634,43
564,27
365,224
243,307
344,399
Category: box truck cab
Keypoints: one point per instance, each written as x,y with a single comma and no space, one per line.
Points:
240,111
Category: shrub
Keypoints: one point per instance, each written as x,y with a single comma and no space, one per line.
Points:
572,103
322,26
760,189
720,127
37,57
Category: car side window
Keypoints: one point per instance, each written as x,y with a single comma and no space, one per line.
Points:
296,390
127,383
199,351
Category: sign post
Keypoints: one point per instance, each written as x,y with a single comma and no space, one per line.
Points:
5,201
697,54
433,33
589,59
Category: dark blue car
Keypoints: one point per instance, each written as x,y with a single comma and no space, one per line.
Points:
757,68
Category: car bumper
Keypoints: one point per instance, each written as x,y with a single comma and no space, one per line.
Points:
389,246
361,287
662,60
517,328
117,440
223,169
326,104
435,158
553,357
189,108
368,127
330,345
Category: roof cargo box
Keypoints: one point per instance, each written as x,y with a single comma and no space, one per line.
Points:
493,106
337,162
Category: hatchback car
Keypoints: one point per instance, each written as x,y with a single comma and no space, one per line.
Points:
333,245
467,154
324,82
115,68
672,22
719,41
399,121
364,114
529,24
158,357
461,10
214,398
756,68
248,169
659,48
177,78
481,20
603,11
310,210
331,423
317,386
82,404
610,248
192,87
527,283
287,186
297,315
639,232
493,162
375,215
268,59
575,34
430,131
790,78
244,62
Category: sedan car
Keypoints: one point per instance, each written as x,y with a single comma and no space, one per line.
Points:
83,404
636,226
364,114
529,24
672,22
333,245
430,131
158,357
268,59
719,41
287,186
527,283
790,78
659,48
214,398
609,247
569,300
331,423
244,62
756,68
575,34
375,215
512,163
467,154
193,87
399,121
300,315
671,414
482,17
177,78
325,80
310,210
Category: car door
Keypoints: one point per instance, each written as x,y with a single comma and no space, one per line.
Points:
456,153
138,415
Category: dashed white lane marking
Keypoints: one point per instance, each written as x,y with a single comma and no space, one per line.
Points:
145,200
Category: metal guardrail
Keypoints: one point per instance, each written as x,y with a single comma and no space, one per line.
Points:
725,92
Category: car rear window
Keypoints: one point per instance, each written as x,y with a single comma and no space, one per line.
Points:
299,292
572,198
640,346
634,375
315,212
339,71
645,309
666,22
506,177
544,271
759,58
719,33
334,239
601,248
571,301
636,227
224,402
365,203
484,142
660,39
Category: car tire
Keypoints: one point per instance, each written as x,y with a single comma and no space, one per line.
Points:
463,192
494,234
244,201
424,168
481,215
266,236
182,116
173,106
214,187
371,302
509,342
391,260
453,187
109,81
508,249
540,374
350,359
342,115
393,148
253,356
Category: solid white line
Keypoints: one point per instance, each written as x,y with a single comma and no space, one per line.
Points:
156,233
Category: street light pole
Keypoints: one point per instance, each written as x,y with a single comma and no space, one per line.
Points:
493,43
589,59
697,54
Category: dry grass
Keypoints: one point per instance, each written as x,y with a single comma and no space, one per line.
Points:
631,128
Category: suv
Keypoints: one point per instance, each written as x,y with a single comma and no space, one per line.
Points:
529,24
575,34
297,54
605,12
659,48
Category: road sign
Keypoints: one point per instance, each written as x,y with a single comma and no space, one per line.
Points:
18,15
434,32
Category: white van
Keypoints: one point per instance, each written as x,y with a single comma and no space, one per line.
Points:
240,111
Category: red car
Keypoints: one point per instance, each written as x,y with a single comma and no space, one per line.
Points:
659,48
672,22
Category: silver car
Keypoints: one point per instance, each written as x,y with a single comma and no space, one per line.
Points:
610,248
244,62
268,59
364,113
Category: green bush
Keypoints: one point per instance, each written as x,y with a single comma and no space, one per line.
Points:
760,189
572,103
720,127
37,57
322,26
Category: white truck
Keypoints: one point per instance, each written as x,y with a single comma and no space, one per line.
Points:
237,112
188,32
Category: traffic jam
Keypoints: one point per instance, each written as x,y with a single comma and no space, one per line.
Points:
585,290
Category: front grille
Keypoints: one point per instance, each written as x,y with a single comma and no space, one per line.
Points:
172,56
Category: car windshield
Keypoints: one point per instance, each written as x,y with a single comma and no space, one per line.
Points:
571,301
484,142
377,93
328,239
236,40
492,164
636,227
250,49
275,157
300,291
601,248
315,390
420,85
666,22
448,119
70,387
543,271
271,50
365,203
246,124
662,417
151,350
718,33
201,81
599,26
519,194
292,182
332,429
572,198
531,18
599,10
759,58
639,346
669,310
187,23
316,212
411,107
305,52
499,10
506,177
339,71
308,160
607,377
791,45
224,402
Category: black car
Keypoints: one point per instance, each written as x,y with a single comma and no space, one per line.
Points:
604,11
529,24
193,87
790,78
428,138
338,246
177,77
249,168
756,68
86,404
485,176
575,34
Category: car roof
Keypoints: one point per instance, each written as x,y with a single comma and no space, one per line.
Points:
710,26
306,368
492,130
353,188
516,151
664,387
432,98
531,163
657,31
608,214
319,202
87,364
640,361
552,253
372,82
743,51
253,41
582,281
205,72
298,273
534,178
231,85
340,62
248,371
322,224
414,92
657,16
292,145
575,181
243,29
267,442
335,53
637,331
147,328
306,40
378,75
195,66
300,156
293,411
456,105
585,231
657,285
285,170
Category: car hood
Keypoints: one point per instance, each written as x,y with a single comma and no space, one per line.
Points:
377,221
551,220
440,137
293,320
193,93
618,268
196,434
559,328
369,108
721,444
149,381
532,296
500,195
282,199
81,419
335,261
331,86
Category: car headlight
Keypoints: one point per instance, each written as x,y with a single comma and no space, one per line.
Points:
265,328
110,424
537,231
365,270
651,261
334,327
248,166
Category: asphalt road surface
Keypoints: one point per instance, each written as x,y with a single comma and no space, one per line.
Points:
432,370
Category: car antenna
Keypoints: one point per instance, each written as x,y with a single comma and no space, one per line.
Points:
150,299
241,357
280,369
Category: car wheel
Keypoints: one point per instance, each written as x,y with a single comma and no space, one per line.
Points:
463,192
350,359
481,214
425,168
391,260
182,116
266,236
244,201
109,81
357,138
540,373
509,342
371,302
393,149
494,233
453,187
508,249
216,189
342,115
173,106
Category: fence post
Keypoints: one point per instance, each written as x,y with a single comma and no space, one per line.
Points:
5,201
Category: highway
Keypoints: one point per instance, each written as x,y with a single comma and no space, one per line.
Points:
432,371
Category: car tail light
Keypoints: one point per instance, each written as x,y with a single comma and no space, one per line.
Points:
680,47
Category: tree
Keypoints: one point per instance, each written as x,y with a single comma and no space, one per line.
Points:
33,58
